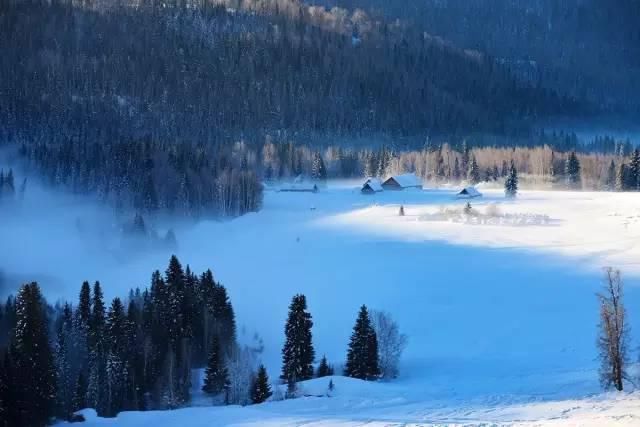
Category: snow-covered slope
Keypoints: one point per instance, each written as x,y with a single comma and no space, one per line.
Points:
358,403
501,315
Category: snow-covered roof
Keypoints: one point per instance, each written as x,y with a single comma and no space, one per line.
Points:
470,192
407,180
374,183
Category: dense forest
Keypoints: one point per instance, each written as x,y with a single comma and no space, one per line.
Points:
139,353
583,48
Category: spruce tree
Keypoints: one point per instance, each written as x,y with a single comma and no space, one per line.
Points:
63,359
610,182
572,172
116,344
80,393
362,356
96,387
216,378
324,370
511,183
34,373
298,353
260,388
621,178
634,171
473,174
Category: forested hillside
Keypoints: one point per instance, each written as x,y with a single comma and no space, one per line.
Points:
201,73
582,48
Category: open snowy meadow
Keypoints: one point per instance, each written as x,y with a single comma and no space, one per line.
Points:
498,302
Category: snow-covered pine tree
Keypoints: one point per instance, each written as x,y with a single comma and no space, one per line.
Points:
116,372
260,388
82,320
362,356
34,373
178,363
572,172
80,393
610,180
97,355
473,174
511,183
64,353
298,353
621,177
324,370
318,170
216,378
465,157
634,171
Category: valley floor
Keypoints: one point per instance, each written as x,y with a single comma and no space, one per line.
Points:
499,306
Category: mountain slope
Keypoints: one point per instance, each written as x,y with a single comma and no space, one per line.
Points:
202,74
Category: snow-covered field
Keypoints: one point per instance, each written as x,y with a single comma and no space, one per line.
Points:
501,315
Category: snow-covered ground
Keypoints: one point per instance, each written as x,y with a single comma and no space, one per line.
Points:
501,315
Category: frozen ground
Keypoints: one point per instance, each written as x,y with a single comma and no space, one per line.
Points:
501,319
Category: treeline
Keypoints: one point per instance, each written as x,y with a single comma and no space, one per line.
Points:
614,167
139,353
152,177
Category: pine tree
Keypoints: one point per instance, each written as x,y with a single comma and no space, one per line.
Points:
63,357
324,370
261,389
96,386
465,157
621,178
216,376
572,172
473,174
80,393
298,353
362,357
634,171
511,183
9,415
318,170
116,371
33,365
610,182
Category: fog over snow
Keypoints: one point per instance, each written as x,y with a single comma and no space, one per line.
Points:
496,314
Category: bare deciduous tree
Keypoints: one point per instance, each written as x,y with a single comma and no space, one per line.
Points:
391,343
614,332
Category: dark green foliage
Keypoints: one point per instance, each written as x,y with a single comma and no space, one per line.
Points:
633,179
362,356
116,359
260,388
473,174
33,370
216,376
572,172
134,359
298,353
64,358
324,369
511,183
610,180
